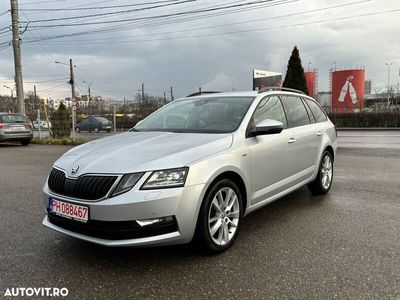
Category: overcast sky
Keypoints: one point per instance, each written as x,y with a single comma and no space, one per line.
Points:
198,51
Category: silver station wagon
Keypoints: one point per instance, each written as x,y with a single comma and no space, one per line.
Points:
192,170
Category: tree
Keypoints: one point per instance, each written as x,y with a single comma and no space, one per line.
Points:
295,78
60,121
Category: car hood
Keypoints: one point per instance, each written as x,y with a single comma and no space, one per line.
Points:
142,151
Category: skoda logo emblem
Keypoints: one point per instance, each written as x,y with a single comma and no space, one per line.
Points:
74,170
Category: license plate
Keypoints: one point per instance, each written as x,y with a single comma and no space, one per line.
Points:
69,210
17,127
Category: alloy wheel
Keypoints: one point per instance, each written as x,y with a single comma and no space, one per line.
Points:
223,216
326,172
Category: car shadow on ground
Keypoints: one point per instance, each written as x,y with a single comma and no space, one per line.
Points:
254,227
10,144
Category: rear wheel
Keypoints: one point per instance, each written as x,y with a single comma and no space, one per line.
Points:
25,142
220,217
323,182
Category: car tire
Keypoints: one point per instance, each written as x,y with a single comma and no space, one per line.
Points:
219,221
25,142
77,129
322,184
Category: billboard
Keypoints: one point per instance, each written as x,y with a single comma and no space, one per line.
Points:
348,90
262,79
311,78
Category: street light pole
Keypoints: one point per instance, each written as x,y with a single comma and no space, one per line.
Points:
89,95
389,65
12,94
72,82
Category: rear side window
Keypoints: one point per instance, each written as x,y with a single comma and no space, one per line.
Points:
318,113
13,119
296,111
270,108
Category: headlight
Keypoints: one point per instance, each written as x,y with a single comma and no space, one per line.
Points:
127,182
166,179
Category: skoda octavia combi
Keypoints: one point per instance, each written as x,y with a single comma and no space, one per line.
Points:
192,170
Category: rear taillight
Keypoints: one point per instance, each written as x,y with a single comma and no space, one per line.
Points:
30,125
1,125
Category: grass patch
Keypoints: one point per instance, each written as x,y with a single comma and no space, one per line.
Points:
58,141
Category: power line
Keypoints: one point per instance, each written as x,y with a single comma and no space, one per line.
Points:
7,11
265,28
235,23
115,28
42,2
111,13
147,17
96,7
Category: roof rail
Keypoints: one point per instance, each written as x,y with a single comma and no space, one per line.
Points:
279,88
202,93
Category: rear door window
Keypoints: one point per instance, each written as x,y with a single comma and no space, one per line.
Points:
13,119
318,113
295,111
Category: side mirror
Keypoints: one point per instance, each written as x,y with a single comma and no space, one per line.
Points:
267,126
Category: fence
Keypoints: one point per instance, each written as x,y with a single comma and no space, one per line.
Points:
366,119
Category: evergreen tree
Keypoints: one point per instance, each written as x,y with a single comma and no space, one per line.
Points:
60,121
295,78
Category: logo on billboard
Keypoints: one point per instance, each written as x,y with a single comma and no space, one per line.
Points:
348,88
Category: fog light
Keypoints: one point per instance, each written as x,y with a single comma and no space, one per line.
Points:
148,222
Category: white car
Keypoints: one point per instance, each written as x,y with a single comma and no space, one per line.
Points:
192,169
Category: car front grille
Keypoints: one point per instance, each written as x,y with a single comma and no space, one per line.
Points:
85,187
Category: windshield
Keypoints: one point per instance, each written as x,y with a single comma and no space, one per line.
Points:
199,115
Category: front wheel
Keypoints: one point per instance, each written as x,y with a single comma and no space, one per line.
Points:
323,182
220,217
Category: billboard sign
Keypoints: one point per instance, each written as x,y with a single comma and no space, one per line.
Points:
348,93
263,79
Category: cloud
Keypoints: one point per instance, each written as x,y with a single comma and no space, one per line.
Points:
185,60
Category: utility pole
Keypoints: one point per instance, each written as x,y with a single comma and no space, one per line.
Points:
165,98
38,113
142,92
172,94
389,65
73,99
200,89
17,56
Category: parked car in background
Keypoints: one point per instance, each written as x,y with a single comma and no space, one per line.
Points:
95,124
192,169
43,124
15,128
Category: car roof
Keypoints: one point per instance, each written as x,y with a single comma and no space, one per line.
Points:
247,94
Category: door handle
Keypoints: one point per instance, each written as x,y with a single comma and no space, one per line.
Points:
291,140
319,133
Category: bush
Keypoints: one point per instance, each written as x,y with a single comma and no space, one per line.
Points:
58,141
61,124
366,119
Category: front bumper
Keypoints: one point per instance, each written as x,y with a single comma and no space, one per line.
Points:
182,204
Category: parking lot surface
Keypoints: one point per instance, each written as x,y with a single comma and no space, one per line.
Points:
344,245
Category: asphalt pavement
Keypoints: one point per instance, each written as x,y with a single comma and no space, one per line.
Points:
343,245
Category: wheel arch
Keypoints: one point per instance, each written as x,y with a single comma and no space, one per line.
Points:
237,179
